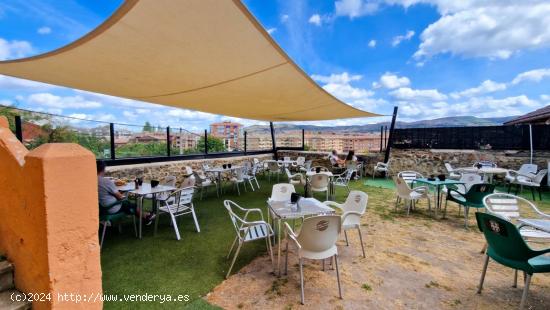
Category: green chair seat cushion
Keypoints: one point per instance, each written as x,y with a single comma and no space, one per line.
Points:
112,217
540,263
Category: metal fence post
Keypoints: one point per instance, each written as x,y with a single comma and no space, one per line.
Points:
18,128
168,142
273,144
303,139
381,138
112,136
245,143
389,143
205,141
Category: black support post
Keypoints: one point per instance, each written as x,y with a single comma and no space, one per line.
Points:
205,141
245,143
390,137
274,146
385,137
303,139
381,138
112,136
18,128
168,142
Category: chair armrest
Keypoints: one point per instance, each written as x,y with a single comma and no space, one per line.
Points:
333,204
454,190
292,236
381,164
420,189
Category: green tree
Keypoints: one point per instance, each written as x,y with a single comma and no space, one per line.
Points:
10,114
214,145
147,127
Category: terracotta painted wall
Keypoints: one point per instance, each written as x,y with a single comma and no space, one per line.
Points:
49,219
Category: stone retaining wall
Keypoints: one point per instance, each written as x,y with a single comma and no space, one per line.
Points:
428,161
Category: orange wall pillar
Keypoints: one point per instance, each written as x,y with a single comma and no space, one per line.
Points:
49,220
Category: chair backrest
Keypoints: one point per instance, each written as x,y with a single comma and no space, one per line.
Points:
188,170
170,180
540,175
477,192
470,179
503,238
238,173
324,169
307,164
273,166
300,160
319,233
402,187
319,180
288,174
507,205
282,192
237,221
188,181
198,178
181,198
449,168
528,168
286,158
485,164
409,176
254,170
356,201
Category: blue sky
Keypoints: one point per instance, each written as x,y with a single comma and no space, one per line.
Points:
432,58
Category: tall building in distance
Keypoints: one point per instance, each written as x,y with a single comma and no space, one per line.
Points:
229,132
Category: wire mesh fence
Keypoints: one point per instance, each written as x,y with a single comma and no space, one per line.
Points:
515,137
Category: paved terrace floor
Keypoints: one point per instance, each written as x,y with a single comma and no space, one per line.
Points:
413,262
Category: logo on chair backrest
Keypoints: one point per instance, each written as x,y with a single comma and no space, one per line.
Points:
284,189
322,225
496,227
357,198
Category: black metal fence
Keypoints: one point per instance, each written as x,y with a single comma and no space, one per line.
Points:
515,137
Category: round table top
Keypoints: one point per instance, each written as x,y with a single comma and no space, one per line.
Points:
484,170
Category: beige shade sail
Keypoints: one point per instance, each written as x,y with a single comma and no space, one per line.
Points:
205,55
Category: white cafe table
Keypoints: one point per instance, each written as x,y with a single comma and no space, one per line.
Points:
144,190
219,171
283,211
486,172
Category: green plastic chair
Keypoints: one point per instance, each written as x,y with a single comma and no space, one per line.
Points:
472,199
507,247
108,219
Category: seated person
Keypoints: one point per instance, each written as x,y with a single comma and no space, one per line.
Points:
351,162
109,195
334,160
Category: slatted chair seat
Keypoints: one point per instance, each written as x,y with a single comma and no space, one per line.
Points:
409,176
255,232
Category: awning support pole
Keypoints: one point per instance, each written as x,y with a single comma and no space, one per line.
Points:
112,136
273,140
390,137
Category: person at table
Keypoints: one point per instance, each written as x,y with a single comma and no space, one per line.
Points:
351,160
335,161
109,195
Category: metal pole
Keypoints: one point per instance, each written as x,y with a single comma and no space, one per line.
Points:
245,143
381,138
385,137
181,143
168,144
112,136
390,137
273,139
303,139
531,141
205,141
18,128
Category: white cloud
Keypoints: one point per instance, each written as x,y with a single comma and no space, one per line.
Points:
391,81
315,19
545,97
271,30
6,102
11,83
342,78
59,102
487,86
496,29
532,76
417,95
44,30
354,8
372,43
284,18
398,39
14,49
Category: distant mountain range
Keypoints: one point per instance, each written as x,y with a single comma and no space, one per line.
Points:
456,121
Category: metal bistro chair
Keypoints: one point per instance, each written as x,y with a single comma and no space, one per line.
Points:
237,177
251,176
247,231
352,209
180,202
306,167
532,182
204,182
507,247
473,198
381,167
316,240
343,178
409,176
452,174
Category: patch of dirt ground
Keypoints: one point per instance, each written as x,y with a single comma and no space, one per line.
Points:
412,262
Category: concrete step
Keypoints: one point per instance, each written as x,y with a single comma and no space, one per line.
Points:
7,301
6,275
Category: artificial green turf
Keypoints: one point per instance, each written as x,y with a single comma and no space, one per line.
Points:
196,264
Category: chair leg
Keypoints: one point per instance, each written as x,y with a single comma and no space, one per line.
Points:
533,192
157,215
238,190
346,235
302,299
484,249
232,246
286,258
515,279
135,225
525,291
103,234
195,219
176,230
270,250
257,184
480,287
361,239
234,259
338,276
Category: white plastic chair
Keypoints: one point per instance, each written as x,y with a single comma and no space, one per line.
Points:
203,183
251,176
321,169
528,170
319,182
180,202
237,178
247,231
452,174
381,167
352,210
300,161
273,167
306,167
532,182
343,178
295,179
282,192
485,164
410,195
316,240
409,176
259,165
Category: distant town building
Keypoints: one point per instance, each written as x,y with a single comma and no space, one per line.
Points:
229,132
